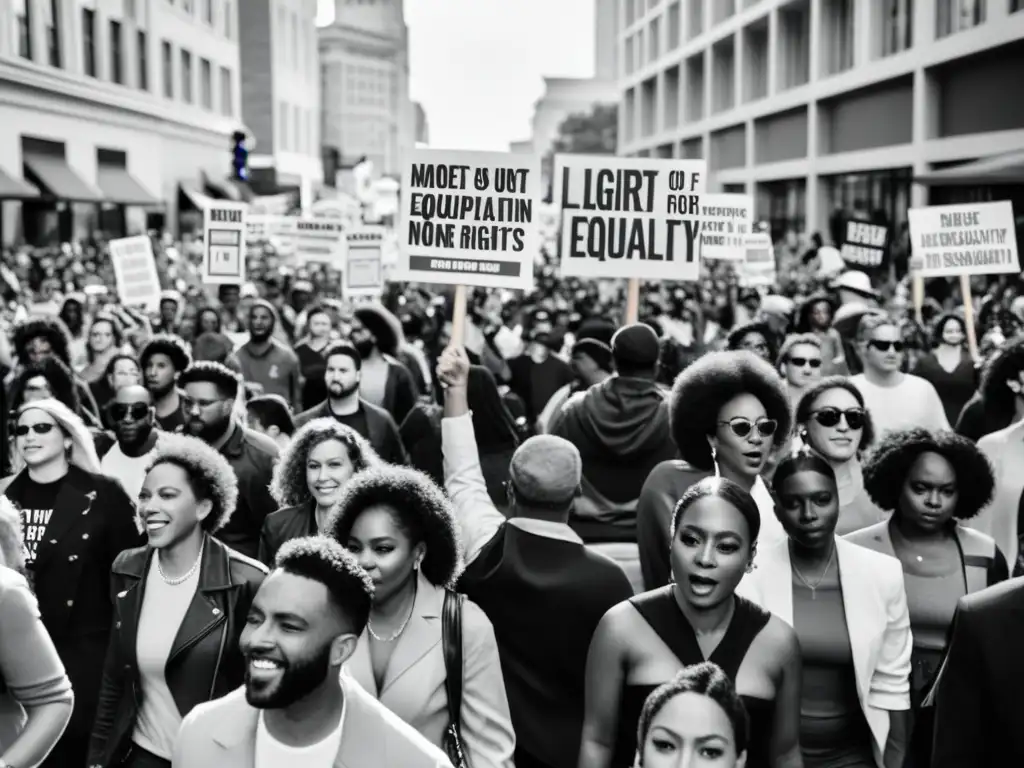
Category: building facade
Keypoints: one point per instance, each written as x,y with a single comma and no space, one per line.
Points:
606,39
114,114
813,106
364,59
281,95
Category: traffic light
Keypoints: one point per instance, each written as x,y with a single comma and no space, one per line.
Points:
239,156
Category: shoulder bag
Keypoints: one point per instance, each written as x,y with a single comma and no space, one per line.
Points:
451,642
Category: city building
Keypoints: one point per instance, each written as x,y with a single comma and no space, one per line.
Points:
114,115
280,60
606,39
364,60
422,125
813,106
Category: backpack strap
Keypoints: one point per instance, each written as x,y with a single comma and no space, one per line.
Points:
451,642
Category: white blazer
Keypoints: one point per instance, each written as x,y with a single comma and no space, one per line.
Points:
876,614
1005,449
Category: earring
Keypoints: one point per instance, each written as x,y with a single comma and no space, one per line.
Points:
714,460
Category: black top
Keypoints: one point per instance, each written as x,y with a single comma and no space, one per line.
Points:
660,610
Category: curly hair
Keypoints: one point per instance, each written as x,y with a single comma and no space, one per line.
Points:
886,469
419,507
383,325
1004,365
12,551
218,374
58,377
940,323
288,486
209,474
166,344
807,400
736,336
708,384
50,328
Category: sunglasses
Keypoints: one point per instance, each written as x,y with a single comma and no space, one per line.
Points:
118,411
829,417
800,362
742,427
40,429
885,346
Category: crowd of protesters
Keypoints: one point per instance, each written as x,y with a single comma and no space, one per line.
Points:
757,527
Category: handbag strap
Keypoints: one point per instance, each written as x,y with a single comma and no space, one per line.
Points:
451,641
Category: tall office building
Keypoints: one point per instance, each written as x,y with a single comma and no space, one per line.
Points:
367,111
606,39
281,94
114,116
818,105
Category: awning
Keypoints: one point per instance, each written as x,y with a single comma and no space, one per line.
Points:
56,179
245,192
220,189
198,199
119,186
12,188
1007,168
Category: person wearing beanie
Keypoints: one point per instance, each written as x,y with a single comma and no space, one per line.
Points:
266,361
542,589
591,361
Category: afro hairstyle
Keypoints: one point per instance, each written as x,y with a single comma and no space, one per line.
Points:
50,328
218,374
209,474
166,344
1006,364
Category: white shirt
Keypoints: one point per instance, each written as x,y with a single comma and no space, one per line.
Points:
271,753
130,471
911,403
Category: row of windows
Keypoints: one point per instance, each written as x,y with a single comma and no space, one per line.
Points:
297,43
206,9
297,129
187,80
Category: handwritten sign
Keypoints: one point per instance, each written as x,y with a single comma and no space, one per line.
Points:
726,220
629,217
138,283
469,218
758,266
364,266
967,239
224,243
865,244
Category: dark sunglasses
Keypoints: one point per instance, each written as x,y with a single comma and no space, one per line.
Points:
885,346
800,362
742,427
119,410
829,417
40,429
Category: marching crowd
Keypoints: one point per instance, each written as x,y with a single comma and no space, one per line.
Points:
269,527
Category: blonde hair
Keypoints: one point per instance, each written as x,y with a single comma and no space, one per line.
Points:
12,550
83,450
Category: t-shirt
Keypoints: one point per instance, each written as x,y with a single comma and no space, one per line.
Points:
277,370
37,507
911,403
271,753
355,421
130,471
173,422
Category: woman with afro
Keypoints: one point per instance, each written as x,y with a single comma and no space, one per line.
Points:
931,482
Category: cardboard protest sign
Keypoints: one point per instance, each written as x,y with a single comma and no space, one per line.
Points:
726,220
865,244
321,241
758,265
265,226
967,239
138,283
629,217
469,218
364,263
224,243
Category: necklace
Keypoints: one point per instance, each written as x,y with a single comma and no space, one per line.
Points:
397,634
187,576
813,587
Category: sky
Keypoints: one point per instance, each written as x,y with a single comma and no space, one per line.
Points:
476,66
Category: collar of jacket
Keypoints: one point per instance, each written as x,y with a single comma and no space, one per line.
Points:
236,441
76,477
214,571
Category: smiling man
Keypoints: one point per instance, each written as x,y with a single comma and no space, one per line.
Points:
297,707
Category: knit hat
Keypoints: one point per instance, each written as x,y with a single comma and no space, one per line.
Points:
597,351
546,470
636,345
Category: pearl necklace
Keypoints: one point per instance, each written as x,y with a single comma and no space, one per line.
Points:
187,576
398,632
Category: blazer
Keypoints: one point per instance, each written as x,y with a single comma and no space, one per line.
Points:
876,614
284,525
414,682
382,431
1005,449
204,661
252,457
222,734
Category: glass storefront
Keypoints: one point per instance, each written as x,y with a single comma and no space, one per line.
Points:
783,204
881,196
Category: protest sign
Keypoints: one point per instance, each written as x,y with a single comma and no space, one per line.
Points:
636,218
364,268
224,243
469,218
967,239
321,241
138,283
865,244
263,226
726,220
758,266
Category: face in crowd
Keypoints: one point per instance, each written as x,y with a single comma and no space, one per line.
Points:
808,508
37,388
38,349
39,438
101,336
319,325
362,338
835,428
802,367
755,342
386,550
160,375
821,315
125,374
341,376
744,436
169,508
883,349
691,730
208,410
930,493
261,323
953,332
132,415
328,468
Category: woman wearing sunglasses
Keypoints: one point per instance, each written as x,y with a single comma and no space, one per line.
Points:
728,412
831,421
800,363
75,522
931,482
849,611
896,400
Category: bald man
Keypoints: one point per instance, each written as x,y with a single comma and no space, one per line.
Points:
132,415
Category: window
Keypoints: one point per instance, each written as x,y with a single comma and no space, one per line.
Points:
143,60
839,24
89,41
227,107
186,76
283,119
52,22
958,15
228,19
116,52
23,15
205,84
168,62
208,12
897,26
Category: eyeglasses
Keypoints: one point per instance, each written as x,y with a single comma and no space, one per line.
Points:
742,427
800,362
829,417
118,411
885,346
40,429
189,403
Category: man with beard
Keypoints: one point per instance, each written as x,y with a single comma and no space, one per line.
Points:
268,362
298,706
162,361
211,391
385,380
342,376
131,414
